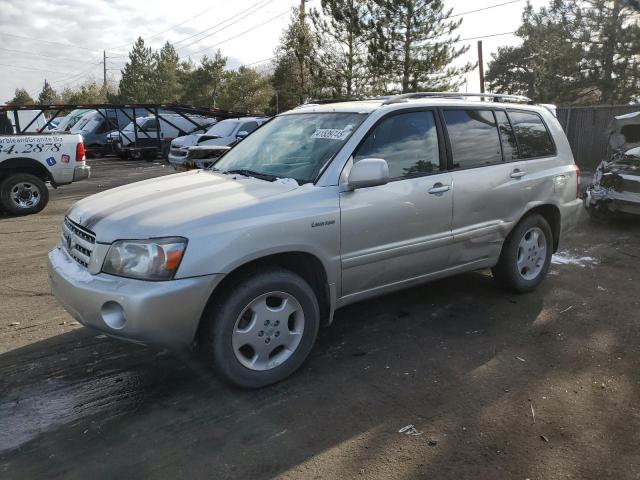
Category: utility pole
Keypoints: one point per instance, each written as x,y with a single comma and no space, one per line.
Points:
104,70
481,66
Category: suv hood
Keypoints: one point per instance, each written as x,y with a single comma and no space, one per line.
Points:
173,205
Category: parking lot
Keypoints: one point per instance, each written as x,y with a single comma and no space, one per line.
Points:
451,379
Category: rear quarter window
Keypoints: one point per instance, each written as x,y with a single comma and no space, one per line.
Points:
532,135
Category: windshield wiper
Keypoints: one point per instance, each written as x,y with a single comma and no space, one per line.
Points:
251,173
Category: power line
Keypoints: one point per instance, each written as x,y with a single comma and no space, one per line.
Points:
168,29
76,75
484,36
485,8
259,61
53,43
241,33
34,69
258,5
64,59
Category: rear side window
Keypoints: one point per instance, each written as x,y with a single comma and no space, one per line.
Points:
407,141
248,127
474,138
507,137
532,135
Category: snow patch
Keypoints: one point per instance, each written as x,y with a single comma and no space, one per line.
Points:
565,258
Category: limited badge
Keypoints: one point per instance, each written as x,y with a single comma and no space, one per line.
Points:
65,158
51,161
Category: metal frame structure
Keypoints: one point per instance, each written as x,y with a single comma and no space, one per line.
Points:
159,111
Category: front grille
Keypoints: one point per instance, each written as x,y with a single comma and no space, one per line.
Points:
78,241
179,152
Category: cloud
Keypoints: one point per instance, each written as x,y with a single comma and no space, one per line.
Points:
63,40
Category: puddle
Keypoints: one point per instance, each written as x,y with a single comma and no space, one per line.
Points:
566,258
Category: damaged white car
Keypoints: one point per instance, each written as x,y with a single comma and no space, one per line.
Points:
615,188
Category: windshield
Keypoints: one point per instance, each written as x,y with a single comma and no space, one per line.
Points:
85,123
222,129
292,146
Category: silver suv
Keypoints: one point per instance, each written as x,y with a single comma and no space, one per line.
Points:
323,206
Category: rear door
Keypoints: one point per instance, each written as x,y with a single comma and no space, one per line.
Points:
487,194
402,230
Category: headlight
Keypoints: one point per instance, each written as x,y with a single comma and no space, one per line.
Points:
154,259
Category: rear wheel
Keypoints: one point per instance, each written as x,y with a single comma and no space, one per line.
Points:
23,194
526,255
263,328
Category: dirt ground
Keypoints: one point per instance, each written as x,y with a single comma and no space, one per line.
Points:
538,386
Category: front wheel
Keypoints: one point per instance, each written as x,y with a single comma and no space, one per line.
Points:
526,255
23,194
262,328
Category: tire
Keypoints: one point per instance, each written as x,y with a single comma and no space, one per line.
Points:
524,262
23,194
235,323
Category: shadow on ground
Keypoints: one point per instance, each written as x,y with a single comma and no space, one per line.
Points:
458,359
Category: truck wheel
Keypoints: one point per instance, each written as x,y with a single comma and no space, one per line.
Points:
23,194
526,255
262,328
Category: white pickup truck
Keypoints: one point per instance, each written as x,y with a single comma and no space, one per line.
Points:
28,161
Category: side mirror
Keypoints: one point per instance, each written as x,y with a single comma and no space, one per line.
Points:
242,134
368,172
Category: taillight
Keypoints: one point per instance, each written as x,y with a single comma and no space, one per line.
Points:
578,182
80,152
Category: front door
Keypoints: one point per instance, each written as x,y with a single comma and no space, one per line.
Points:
402,230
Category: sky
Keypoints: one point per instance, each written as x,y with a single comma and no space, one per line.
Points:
63,40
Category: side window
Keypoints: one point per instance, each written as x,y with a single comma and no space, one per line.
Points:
474,138
533,137
103,127
248,127
408,142
507,137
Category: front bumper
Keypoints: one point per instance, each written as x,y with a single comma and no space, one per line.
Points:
176,161
612,200
81,173
164,314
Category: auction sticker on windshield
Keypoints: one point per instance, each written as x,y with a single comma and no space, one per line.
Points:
331,133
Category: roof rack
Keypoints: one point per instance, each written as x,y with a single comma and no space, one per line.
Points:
495,97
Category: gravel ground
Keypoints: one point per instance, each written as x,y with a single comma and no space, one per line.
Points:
484,384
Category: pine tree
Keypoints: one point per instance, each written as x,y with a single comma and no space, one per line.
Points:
21,97
342,34
546,66
137,82
295,64
609,33
90,92
203,84
48,95
419,37
246,90
573,53
167,85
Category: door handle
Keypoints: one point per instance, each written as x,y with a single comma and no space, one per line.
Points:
517,173
439,188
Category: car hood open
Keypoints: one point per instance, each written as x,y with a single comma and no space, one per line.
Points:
170,206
